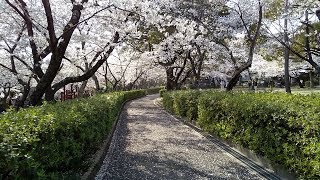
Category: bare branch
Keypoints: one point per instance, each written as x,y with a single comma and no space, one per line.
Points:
50,28
79,67
240,13
19,37
253,42
15,8
72,26
25,15
6,67
24,63
90,72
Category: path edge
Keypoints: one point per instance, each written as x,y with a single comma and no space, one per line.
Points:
101,153
278,170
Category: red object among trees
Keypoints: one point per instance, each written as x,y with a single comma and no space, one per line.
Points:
69,94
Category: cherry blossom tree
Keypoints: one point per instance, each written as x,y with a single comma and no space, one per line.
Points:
55,47
251,29
301,44
52,44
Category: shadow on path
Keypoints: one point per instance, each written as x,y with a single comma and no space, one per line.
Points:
150,144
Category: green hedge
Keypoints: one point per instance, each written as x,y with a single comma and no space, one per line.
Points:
162,91
55,140
284,128
154,90
182,103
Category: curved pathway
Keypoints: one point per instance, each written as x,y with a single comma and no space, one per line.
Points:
150,144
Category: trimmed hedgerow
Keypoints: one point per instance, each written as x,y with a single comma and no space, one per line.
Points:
182,103
162,91
154,90
167,101
54,141
284,128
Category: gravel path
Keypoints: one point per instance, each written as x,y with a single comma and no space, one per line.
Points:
150,144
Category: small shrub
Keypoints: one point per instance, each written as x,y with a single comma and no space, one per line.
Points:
162,91
185,103
179,103
167,100
192,104
154,90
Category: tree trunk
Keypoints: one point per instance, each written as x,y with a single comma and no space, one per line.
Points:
197,80
233,81
106,76
49,95
26,90
96,82
5,105
253,41
58,51
82,88
170,79
286,51
91,71
131,85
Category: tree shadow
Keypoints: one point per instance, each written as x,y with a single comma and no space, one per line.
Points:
179,153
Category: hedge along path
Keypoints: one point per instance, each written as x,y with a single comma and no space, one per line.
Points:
150,144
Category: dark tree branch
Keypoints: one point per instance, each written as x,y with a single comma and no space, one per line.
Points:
253,42
25,15
6,67
79,67
56,58
50,28
88,73
71,25
23,62
15,8
108,67
312,63
181,69
135,80
201,59
239,12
